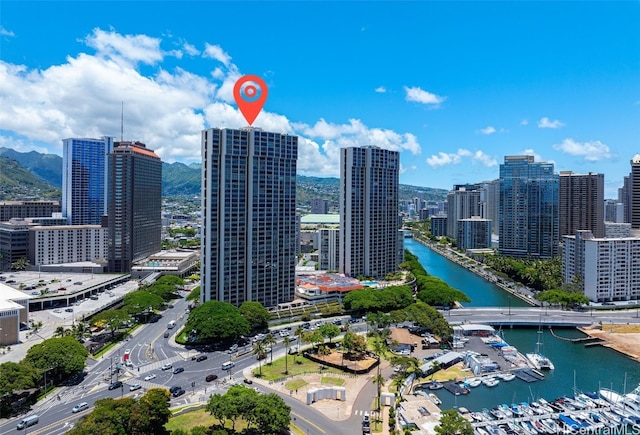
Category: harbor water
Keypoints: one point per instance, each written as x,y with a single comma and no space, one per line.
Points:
577,367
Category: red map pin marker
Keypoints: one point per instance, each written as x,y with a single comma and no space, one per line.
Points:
250,93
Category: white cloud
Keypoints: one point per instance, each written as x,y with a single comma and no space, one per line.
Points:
443,159
487,130
125,49
524,122
590,151
547,123
165,108
421,96
190,49
381,89
5,32
537,157
216,52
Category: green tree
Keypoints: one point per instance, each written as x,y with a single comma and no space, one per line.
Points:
170,280
221,409
61,331
61,357
17,376
354,343
20,264
379,380
329,330
154,404
216,320
299,332
452,423
259,352
140,301
165,291
269,341
111,319
312,337
271,414
287,342
80,331
257,315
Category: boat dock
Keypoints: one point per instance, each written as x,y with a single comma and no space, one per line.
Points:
454,388
528,375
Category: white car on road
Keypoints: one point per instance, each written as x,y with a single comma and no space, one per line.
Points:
149,377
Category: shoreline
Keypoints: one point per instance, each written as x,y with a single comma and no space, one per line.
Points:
625,343
478,269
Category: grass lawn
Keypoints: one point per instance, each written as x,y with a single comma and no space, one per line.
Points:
271,372
199,417
191,419
332,381
295,384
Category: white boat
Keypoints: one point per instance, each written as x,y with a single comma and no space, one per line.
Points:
507,376
490,382
435,399
473,382
537,359
610,396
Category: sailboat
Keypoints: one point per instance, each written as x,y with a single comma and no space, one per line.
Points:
537,359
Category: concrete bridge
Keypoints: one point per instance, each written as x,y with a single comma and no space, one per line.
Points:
535,316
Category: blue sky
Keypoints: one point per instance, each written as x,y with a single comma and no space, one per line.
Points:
454,86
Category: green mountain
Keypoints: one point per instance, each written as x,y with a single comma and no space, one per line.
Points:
46,166
17,182
178,179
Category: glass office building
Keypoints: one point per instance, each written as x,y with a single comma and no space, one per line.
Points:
528,214
85,179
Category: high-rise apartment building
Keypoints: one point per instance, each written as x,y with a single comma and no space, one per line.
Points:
370,243
319,206
581,199
632,188
85,179
135,202
607,269
463,202
67,244
490,203
328,248
624,198
528,208
248,216
613,211
474,233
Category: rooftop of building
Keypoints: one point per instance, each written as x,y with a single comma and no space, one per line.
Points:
328,282
333,219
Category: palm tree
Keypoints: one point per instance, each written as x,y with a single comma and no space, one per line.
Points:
258,351
435,366
287,343
80,331
270,341
298,333
397,384
61,331
379,380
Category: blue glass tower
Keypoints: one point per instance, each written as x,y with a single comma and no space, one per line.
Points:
84,179
528,214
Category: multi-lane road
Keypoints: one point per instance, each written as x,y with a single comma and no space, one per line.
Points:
148,350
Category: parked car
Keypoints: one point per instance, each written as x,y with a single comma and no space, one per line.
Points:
114,385
210,378
80,407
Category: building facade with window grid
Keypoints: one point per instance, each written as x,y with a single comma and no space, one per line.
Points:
85,179
249,234
370,240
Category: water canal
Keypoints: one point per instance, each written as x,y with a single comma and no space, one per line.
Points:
586,368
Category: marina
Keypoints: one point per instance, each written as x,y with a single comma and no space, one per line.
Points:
578,367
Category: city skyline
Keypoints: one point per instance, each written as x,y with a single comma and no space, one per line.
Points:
452,86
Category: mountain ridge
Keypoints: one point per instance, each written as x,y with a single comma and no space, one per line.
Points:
180,179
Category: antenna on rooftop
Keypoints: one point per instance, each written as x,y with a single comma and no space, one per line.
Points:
122,123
